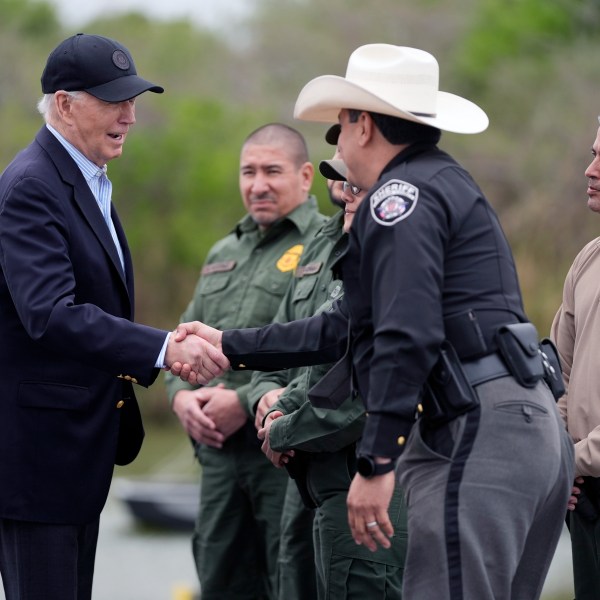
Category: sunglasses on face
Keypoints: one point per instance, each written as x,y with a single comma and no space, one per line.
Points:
354,190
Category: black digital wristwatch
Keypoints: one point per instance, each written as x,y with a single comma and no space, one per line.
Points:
367,467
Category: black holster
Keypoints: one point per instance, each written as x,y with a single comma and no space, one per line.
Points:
529,360
447,392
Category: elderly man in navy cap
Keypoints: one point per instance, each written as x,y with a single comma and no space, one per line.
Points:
70,350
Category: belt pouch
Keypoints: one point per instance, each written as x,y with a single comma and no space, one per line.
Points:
465,334
519,347
552,368
447,392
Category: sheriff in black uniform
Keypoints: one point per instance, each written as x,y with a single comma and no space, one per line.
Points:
437,328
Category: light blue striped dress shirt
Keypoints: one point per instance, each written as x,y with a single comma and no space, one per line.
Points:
99,183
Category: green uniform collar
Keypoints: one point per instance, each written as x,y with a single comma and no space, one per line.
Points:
301,218
332,227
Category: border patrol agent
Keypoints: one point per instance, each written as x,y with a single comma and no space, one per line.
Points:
244,278
324,441
436,323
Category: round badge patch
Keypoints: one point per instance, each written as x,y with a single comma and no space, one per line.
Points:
290,258
120,60
393,201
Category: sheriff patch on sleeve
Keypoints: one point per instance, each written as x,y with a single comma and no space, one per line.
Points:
393,201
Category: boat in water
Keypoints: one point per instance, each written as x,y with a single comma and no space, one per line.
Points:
162,504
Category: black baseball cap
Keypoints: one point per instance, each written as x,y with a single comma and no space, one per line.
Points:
332,134
97,65
334,169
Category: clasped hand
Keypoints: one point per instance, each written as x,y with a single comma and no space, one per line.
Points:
194,353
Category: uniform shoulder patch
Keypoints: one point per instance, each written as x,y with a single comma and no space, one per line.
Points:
393,201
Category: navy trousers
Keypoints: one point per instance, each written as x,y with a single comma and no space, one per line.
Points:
43,561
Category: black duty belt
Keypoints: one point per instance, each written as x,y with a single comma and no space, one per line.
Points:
472,332
485,369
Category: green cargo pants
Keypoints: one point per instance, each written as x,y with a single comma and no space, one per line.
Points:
344,569
236,537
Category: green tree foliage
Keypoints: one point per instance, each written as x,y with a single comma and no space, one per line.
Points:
29,19
506,30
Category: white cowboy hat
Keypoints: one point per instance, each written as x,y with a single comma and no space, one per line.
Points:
391,80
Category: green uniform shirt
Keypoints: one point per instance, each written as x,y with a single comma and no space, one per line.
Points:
313,290
244,279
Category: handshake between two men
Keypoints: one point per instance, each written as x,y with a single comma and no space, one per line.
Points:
194,353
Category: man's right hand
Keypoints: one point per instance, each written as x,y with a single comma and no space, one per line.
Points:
210,334
279,459
194,359
187,405
264,404
575,492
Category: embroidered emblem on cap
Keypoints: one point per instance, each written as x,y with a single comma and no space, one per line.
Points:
393,201
120,60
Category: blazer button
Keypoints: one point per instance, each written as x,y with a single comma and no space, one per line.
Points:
120,403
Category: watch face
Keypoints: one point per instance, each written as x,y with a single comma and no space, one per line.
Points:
365,466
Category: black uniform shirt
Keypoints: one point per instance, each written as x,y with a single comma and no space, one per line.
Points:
424,245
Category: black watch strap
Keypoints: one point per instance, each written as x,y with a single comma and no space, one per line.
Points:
368,468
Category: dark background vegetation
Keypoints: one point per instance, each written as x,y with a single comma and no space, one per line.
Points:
531,64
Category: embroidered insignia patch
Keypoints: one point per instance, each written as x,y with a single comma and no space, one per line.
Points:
218,267
336,291
309,269
290,258
393,202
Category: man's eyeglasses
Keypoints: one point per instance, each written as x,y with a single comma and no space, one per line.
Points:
354,190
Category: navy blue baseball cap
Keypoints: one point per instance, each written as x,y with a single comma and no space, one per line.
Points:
97,65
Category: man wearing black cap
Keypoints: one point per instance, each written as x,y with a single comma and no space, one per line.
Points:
70,351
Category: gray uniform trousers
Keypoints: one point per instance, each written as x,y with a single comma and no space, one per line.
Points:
487,495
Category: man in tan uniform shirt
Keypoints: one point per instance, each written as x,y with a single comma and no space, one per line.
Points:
576,332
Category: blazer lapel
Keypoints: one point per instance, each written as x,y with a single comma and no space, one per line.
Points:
91,211
85,200
126,255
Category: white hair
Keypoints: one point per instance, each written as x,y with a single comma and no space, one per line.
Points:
45,104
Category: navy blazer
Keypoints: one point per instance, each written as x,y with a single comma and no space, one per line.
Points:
69,349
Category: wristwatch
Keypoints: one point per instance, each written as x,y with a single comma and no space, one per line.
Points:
368,468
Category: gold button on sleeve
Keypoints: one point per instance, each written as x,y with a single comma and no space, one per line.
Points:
120,403
401,440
